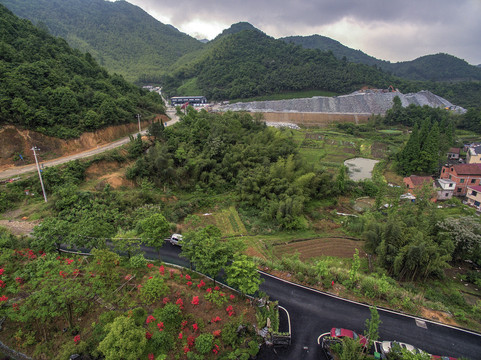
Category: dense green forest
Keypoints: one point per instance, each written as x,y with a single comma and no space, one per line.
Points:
230,152
47,86
120,36
249,63
437,67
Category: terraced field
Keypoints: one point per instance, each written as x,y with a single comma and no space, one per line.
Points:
339,247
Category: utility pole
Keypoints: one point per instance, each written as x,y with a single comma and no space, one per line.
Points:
39,172
138,118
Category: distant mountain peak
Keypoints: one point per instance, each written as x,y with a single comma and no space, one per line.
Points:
238,27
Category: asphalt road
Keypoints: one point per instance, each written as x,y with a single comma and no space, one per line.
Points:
313,313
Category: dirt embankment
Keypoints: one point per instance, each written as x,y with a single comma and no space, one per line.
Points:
15,142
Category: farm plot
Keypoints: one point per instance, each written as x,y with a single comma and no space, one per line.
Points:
229,222
339,247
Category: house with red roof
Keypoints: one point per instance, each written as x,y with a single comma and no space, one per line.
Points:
473,196
463,175
414,182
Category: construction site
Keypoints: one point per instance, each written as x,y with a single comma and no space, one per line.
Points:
356,107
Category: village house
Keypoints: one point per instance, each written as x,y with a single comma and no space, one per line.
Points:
463,175
444,189
453,153
473,155
473,196
415,182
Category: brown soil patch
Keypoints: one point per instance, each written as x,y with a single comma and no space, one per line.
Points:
19,228
338,247
439,316
15,141
117,180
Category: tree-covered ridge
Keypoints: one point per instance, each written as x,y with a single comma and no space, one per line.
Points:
249,63
339,50
121,36
49,87
436,67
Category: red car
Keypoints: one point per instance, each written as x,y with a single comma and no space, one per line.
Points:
341,333
336,335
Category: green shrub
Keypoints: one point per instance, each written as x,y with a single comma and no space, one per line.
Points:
203,343
153,290
170,315
162,341
138,261
139,314
368,286
229,333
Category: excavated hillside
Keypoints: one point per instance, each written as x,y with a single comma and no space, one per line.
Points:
363,102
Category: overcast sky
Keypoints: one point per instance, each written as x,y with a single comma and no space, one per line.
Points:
394,30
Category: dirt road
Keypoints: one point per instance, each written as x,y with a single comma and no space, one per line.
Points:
16,171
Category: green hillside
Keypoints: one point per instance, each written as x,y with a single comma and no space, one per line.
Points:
249,63
325,43
120,36
47,86
438,67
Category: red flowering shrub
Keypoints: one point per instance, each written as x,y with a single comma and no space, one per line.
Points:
181,335
187,276
151,356
232,297
230,310
189,283
160,326
150,265
165,300
161,270
3,298
202,283
195,300
195,327
2,284
216,333
180,302
76,339
216,319
149,319
148,335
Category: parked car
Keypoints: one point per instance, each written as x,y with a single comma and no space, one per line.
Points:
395,346
336,335
176,239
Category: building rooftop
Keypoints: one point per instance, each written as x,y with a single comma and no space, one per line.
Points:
467,169
454,150
420,180
475,188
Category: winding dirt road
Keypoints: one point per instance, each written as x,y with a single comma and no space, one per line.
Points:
16,171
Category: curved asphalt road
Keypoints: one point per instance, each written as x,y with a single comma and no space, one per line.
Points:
313,313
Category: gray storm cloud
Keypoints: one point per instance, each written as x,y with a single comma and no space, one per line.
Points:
398,29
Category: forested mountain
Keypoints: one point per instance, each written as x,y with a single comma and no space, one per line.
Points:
327,44
438,67
47,86
121,36
249,63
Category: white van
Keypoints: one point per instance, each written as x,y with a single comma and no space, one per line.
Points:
176,239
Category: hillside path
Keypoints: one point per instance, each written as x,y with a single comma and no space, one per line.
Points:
16,171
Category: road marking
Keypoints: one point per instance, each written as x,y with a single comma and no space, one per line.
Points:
379,308
421,323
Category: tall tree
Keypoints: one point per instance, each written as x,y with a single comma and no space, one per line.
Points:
153,230
207,251
243,275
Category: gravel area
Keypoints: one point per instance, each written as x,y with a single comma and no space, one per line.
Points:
364,101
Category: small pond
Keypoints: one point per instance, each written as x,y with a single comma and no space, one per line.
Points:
360,168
